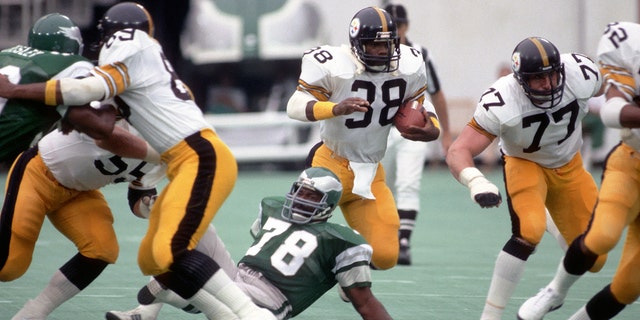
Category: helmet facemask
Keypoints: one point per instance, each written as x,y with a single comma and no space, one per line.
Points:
379,63
304,203
313,197
544,99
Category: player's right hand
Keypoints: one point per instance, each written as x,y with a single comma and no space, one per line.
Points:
350,105
485,193
146,203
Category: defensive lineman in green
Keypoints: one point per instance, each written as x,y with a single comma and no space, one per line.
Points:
296,257
54,51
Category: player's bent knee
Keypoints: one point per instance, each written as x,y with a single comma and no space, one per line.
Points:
10,273
107,253
383,263
597,266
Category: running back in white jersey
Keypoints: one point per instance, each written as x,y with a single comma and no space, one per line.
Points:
333,74
78,163
149,93
619,59
549,137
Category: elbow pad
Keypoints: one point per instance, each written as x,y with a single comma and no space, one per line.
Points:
610,112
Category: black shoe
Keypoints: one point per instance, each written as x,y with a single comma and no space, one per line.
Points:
404,257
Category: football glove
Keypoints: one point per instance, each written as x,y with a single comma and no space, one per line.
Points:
483,192
145,205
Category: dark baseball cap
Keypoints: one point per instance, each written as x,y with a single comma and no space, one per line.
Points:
397,12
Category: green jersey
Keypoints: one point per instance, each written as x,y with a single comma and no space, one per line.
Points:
306,260
21,121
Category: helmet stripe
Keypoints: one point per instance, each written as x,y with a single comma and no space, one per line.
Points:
383,19
543,53
151,26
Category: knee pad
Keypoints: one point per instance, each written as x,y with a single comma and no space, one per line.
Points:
81,271
579,258
519,248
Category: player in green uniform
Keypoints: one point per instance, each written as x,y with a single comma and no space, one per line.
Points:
54,51
296,257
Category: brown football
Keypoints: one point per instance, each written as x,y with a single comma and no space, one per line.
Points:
410,113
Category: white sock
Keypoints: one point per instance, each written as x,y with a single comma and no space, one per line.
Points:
507,273
211,307
563,280
227,292
58,290
581,314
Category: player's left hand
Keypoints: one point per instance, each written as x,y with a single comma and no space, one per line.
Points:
429,132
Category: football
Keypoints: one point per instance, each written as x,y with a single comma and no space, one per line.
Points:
410,113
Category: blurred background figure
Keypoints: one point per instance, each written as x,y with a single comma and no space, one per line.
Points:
405,159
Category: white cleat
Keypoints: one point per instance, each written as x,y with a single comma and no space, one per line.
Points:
535,308
139,313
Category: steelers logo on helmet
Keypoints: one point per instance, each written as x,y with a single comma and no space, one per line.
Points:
370,28
354,28
515,62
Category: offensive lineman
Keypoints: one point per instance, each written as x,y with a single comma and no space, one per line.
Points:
537,115
279,273
134,71
60,178
355,91
618,204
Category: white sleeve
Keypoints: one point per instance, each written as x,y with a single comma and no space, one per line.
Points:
78,69
81,91
297,105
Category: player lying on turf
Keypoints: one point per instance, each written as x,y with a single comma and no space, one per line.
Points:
296,257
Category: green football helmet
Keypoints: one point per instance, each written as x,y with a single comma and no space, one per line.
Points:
56,32
313,197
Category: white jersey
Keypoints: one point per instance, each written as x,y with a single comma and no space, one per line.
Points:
335,73
549,137
78,163
153,99
619,59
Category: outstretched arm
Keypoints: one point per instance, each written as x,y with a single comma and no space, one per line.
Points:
366,304
32,91
305,107
460,161
66,91
125,144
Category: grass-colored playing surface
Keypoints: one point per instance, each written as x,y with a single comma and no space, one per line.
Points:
454,249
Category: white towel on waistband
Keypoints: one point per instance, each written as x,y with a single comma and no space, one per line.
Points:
364,174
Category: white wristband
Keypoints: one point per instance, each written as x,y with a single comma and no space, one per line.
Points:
610,112
469,173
